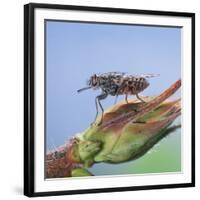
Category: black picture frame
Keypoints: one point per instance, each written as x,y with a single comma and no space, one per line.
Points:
29,95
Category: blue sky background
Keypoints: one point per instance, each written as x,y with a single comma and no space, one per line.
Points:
75,51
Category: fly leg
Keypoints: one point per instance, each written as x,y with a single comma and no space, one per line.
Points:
97,108
126,98
97,102
118,91
140,98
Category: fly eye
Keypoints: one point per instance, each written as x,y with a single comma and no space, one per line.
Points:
94,80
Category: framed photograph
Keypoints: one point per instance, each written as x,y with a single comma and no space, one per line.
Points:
108,99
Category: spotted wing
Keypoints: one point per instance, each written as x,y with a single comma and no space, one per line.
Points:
113,74
149,75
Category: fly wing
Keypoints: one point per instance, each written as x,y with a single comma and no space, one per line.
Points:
149,75
113,74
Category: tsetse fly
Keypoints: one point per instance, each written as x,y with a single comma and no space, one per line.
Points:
116,83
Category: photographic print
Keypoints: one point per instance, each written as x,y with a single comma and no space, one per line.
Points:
111,97
115,126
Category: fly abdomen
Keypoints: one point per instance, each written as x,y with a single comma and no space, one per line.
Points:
135,85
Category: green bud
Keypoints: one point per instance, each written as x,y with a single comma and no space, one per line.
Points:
127,141
80,172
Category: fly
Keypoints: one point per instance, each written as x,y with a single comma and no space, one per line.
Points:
114,84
